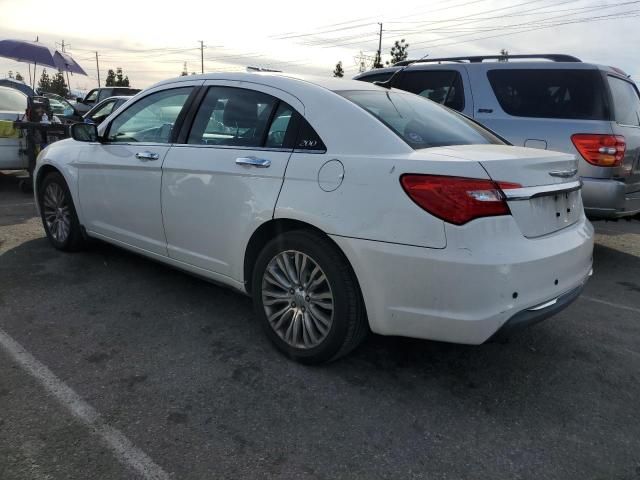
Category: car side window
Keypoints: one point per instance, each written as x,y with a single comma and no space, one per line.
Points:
626,102
441,86
92,96
151,119
104,111
308,139
377,77
234,117
277,134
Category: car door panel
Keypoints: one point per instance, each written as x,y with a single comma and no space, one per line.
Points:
211,205
212,200
120,179
120,194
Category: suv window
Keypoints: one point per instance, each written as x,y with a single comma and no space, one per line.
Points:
441,86
12,100
150,119
237,117
626,103
421,123
546,93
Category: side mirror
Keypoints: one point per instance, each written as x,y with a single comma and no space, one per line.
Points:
84,132
79,99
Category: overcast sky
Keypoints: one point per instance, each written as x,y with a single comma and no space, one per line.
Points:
152,40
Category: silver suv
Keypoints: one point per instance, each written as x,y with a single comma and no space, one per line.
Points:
560,104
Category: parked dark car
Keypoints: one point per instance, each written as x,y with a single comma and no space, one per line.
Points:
103,109
97,95
63,109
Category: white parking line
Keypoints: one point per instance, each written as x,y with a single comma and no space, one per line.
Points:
611,304
126,452
9,205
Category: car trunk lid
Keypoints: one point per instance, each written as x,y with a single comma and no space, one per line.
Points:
549,199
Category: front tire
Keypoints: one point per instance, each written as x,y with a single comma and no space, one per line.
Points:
58,214
307,298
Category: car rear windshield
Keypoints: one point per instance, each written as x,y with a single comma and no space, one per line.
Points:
547,93
420,122
12,100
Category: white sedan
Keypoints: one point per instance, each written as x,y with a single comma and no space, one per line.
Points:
339,206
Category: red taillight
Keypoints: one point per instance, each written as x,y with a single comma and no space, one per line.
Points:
457,200
600,150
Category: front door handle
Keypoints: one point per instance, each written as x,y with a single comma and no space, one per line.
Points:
146,156
253,162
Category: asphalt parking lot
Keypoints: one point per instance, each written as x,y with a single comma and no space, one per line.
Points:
125,365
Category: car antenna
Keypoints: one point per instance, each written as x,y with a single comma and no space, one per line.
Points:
387,83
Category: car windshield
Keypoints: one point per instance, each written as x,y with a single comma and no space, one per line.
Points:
12,100
59,105
420,122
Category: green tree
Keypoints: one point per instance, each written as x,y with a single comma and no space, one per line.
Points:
504,55
111,79
121,80
19,77
338,71
58,85
399,52
44,84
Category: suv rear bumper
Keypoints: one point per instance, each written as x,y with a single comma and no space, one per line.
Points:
606,198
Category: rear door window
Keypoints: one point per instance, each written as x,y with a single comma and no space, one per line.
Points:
626,102
441,86
547,93
235,117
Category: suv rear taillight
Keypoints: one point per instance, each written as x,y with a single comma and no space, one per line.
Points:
600,150
457,200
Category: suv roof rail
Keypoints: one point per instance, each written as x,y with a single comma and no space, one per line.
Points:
556,57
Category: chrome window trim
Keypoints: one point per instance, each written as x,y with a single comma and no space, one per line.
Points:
527,193
232,147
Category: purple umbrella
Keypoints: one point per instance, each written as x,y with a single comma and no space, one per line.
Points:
66,63
30,52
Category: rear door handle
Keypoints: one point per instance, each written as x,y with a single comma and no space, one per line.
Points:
253,162
146,156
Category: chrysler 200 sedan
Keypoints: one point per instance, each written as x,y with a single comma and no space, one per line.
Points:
339,206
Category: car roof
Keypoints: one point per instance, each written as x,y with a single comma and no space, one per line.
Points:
503,65
3,87
278,80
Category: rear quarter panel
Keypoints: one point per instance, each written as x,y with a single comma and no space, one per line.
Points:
370,202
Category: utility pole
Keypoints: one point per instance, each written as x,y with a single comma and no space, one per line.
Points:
98,69
67,71
201,55
379,59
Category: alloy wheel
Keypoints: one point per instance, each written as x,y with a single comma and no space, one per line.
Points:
297,299
56,210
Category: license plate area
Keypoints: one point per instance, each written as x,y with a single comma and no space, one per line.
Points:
546,214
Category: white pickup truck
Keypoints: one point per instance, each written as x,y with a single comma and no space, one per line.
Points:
13,105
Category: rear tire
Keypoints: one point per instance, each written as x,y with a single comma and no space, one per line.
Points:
307,298
58,213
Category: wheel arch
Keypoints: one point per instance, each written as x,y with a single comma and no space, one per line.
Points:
271,229
69,175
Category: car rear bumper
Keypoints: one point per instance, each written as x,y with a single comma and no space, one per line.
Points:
533,315
606,198
486,276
